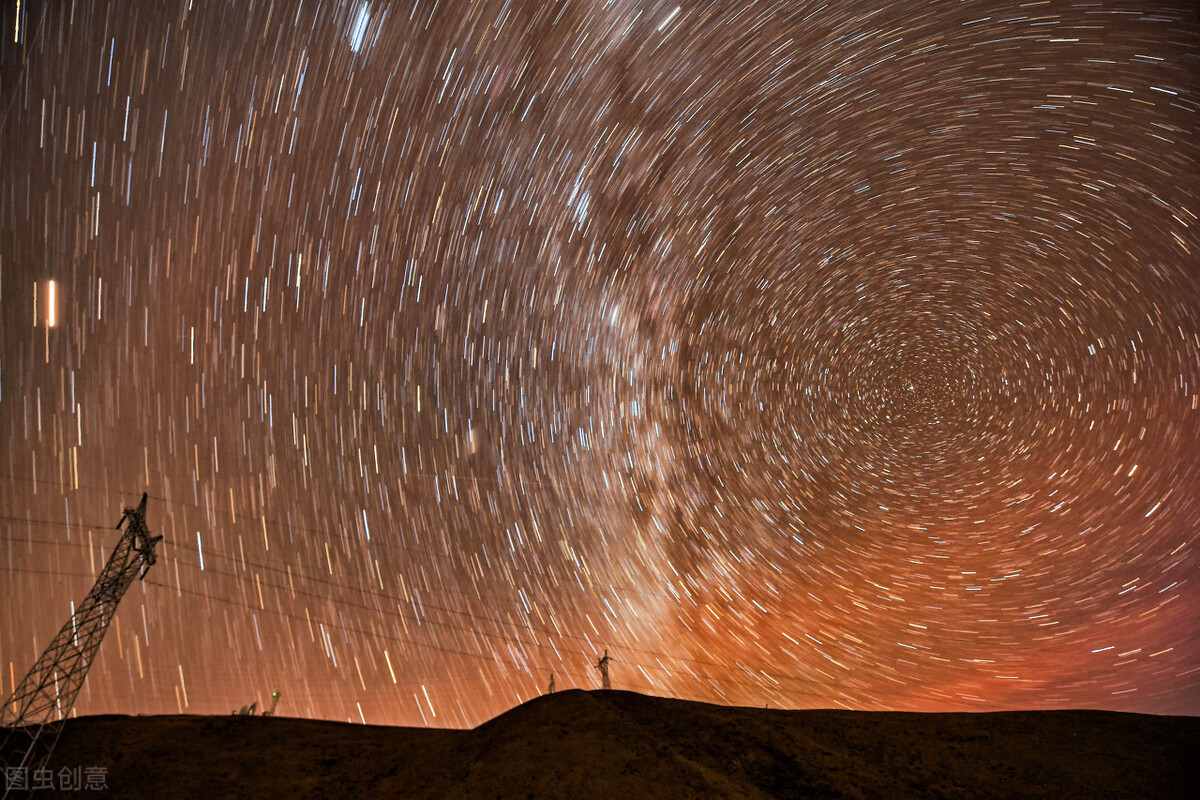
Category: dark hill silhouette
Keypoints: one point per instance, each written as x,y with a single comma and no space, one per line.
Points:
577,744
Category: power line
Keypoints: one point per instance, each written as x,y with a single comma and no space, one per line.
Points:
59,523
502,637
105,490
483,656
391,546
417,619
423,604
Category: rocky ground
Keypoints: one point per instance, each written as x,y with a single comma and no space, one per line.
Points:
620,745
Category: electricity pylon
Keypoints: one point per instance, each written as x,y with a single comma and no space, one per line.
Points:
602,665
33,714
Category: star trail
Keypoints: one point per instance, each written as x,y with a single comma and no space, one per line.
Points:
811,354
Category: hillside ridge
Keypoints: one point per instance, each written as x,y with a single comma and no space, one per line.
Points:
614,743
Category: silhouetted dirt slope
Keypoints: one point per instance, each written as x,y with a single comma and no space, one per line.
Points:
621,745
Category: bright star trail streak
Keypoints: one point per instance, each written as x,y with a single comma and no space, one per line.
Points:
838,354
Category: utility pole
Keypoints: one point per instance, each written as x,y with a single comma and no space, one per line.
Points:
602,665
32,716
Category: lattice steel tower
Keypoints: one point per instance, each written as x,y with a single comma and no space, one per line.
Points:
32,716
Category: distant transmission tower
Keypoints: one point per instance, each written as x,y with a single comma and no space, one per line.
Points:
32,716
602,665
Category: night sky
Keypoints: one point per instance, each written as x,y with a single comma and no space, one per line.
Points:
818,355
